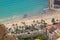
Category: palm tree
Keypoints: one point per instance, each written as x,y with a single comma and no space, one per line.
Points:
43,24
37,22
23,23
33,26
16,30
53,21
33,21
12,24
42,21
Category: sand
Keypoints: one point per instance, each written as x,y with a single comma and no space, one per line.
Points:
46,16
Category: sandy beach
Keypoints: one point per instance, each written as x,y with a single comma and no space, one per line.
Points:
46,16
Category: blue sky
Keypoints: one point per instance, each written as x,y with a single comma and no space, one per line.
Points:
21,7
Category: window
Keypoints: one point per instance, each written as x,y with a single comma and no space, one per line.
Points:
57,4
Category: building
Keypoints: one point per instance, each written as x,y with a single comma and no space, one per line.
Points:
53,31
54,4
50,4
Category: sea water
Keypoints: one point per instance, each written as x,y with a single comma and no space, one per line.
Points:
19,8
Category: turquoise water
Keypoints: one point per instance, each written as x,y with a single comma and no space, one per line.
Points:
10,8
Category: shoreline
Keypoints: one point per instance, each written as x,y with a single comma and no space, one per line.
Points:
47,17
